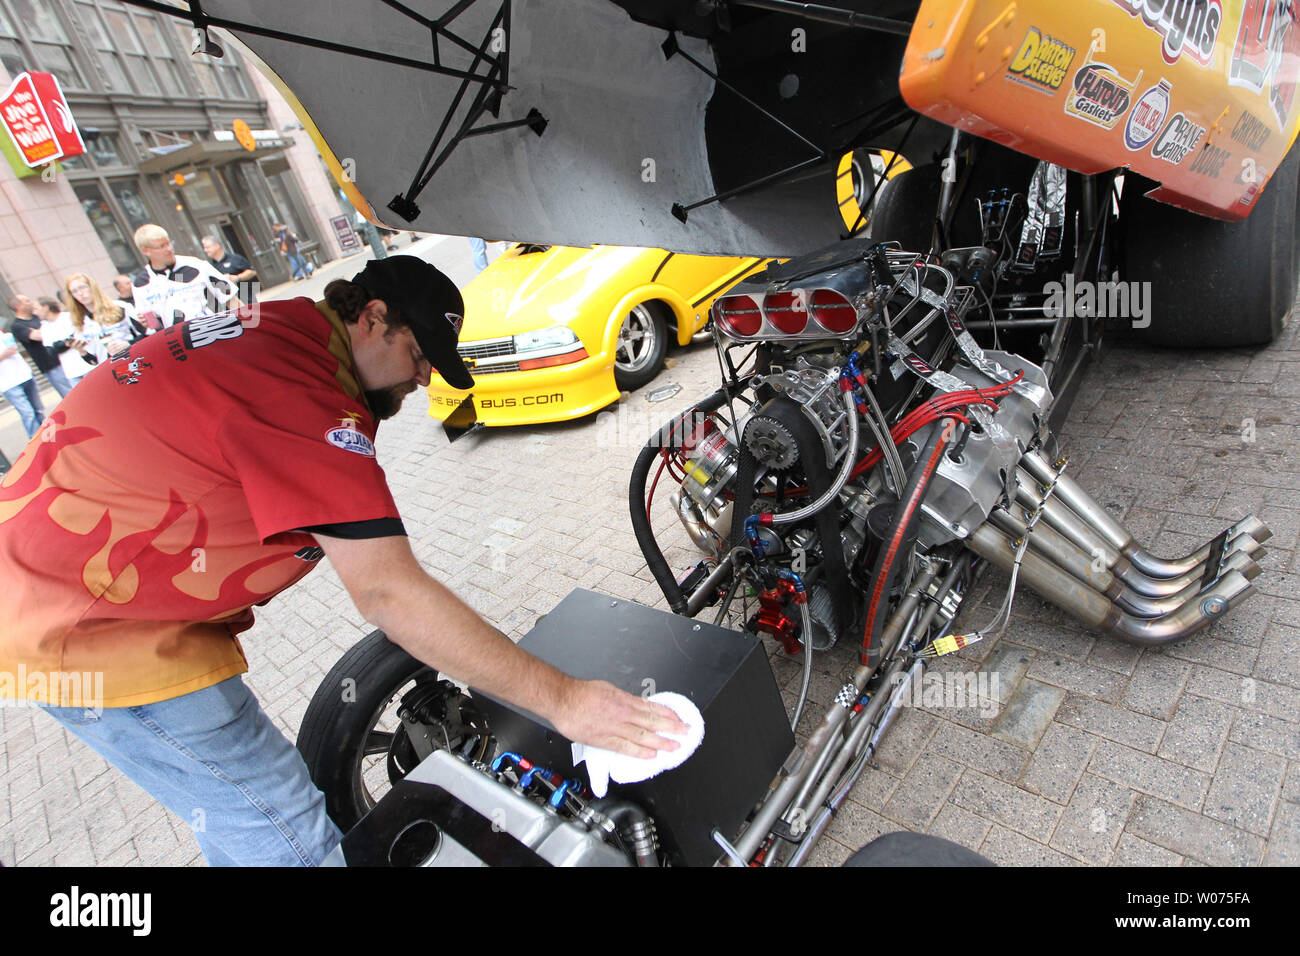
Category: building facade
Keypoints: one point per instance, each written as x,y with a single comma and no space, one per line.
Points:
158,125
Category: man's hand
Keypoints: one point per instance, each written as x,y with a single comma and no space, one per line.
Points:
599,714
393,592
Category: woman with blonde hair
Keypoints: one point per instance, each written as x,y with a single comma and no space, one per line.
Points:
103,323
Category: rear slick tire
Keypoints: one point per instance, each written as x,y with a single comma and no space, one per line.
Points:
1215,284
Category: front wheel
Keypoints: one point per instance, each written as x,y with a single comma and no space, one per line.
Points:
641,346
377,713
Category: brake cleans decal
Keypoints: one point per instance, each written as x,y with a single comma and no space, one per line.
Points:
1187,26
1042,62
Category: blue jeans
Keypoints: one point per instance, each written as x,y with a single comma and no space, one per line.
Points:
479,248
217,761
297,265
26,397
59,379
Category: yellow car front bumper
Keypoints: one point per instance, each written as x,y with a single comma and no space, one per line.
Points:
528,398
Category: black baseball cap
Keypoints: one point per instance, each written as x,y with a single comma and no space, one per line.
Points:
430,302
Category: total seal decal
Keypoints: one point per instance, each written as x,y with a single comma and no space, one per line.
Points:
1179,137
1042,62
1187,26
1100,95
1147,117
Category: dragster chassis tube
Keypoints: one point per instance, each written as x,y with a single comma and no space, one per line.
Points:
654,557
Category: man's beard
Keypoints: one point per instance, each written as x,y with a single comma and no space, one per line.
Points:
386,402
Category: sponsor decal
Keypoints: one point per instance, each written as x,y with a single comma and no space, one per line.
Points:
456,321
1209,160
1187,26
1250,131
918,365
1100,95
351,439
197,333
1268,38
555,398
1179,137
1147,116
133,372
1041,63
1254,185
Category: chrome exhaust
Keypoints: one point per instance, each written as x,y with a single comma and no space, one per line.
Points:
1114,534
1097,612
1239,537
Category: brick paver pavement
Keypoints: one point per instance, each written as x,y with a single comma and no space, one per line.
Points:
1101,753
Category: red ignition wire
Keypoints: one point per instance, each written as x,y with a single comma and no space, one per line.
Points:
653,485
900,531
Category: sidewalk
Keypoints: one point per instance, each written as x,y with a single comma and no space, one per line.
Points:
452,254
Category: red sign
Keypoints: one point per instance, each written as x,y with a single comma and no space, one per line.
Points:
39,121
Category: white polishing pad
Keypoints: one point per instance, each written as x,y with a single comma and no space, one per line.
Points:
605,765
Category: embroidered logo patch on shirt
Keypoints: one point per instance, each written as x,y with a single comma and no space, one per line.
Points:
351,439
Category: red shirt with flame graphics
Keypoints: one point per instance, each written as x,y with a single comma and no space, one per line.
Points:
164,497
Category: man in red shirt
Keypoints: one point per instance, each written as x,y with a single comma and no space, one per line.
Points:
203,471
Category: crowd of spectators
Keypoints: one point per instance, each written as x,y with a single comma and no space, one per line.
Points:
68,334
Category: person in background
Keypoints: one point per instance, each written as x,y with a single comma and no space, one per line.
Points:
18,386
479,248
63,339
126,302
93,312
234,265
26,329
171,288
287,240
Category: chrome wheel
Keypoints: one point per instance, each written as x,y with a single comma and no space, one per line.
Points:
638,342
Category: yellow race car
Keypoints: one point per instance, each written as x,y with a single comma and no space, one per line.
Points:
556,332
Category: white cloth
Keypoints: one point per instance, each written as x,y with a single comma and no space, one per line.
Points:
606,765
13,370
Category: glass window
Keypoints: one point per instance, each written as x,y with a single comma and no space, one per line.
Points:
115,73
50,48
127,192
103,150
41,21
201,191
119,26
163,63
11,55
106,225
56,60
239,85
75,162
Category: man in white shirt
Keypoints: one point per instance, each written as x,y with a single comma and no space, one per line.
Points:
62,337
18,386
172,288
